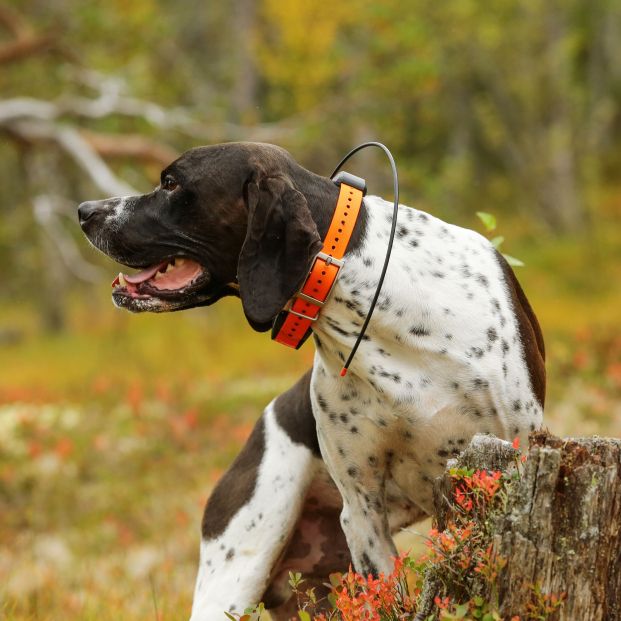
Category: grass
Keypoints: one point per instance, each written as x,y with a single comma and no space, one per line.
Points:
113,433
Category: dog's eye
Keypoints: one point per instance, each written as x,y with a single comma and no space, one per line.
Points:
169,183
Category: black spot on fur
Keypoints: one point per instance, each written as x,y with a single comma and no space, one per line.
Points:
353,429
230,554
352,471
344,418
477,352
367,565
322,402
517,405
492,335
481,279
442,453
479,384
419,331
367,262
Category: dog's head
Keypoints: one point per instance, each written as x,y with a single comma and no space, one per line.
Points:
231,219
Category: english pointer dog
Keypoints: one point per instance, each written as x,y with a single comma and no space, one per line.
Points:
336,464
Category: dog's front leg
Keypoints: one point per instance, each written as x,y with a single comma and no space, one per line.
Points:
249,519
350,444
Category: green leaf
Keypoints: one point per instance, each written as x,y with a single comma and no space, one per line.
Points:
228,615
461,611
304,616
513,261
335,579
295,579
478,601
489,220
497,241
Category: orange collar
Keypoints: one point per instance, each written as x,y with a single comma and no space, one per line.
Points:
294,324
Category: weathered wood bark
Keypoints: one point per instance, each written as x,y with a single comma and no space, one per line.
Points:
562,525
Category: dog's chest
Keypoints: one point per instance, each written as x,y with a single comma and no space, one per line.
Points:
442,361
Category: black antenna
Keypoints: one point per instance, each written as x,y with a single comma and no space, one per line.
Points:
395,178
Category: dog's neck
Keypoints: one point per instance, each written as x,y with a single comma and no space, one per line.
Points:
321,194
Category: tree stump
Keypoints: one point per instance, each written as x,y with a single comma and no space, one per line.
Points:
560,532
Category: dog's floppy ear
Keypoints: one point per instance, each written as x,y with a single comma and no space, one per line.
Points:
281,242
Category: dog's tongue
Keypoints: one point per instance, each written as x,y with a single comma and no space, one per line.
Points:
145,274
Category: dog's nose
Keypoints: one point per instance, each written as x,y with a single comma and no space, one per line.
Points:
87,210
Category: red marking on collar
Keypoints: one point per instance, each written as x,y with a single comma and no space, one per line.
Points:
294,324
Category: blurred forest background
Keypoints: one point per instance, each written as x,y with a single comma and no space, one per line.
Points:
113,427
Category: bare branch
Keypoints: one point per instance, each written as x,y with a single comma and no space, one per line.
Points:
70,141
130,145
15,23
25,42
45,210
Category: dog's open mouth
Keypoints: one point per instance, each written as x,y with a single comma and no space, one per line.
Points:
167,279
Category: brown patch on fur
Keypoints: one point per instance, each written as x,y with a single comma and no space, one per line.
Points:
236,487
294,414
530,332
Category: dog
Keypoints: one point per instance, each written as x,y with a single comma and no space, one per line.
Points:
335,465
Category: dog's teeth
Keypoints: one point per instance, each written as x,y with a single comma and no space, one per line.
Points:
158,275
122,280
180,262
170,267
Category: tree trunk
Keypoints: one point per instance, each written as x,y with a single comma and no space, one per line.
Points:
561,530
